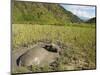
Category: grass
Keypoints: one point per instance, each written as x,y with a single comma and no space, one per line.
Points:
78,42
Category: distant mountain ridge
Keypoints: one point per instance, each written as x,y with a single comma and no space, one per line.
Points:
41,13
92,20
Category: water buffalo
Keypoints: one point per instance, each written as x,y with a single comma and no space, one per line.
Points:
39,55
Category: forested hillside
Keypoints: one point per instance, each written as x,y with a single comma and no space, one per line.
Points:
41,13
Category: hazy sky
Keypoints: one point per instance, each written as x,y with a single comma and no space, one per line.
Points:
84,12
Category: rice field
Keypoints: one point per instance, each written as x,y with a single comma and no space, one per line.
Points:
79,42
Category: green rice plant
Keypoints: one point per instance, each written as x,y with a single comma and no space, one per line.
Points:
78,42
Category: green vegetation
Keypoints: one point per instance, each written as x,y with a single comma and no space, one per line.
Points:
78,43
43,22
27,34
20,70
41,13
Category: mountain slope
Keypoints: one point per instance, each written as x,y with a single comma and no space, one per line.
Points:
92,20
41,13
